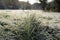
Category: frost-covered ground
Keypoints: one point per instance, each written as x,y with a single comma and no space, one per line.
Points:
55,17
29,25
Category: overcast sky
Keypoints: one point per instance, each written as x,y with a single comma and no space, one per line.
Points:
35,1
31,1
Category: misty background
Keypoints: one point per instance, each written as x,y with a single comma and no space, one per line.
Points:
47,5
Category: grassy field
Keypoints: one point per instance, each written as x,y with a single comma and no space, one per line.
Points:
29,25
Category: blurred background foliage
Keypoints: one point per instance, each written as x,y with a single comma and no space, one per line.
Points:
43,5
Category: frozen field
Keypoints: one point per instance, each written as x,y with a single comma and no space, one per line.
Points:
29,25
54,21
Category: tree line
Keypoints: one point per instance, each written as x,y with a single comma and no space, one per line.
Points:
15,4
52,6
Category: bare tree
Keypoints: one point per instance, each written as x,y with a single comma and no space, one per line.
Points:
43,3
